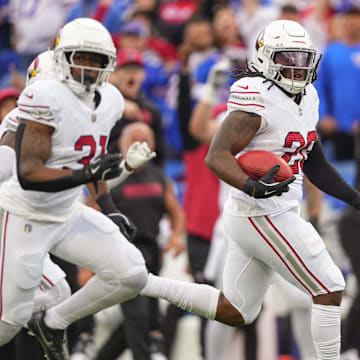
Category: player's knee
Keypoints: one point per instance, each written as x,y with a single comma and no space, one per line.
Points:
59,292
64,290
137,281
113,274
7,332
249,310
251,314
335,278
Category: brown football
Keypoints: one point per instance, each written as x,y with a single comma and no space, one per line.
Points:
257,163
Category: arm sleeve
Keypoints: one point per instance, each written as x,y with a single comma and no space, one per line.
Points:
323,175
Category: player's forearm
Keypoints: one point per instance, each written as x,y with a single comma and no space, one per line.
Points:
42,178
226,168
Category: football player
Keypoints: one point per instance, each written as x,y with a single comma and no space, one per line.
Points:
53,287
63,125
273,106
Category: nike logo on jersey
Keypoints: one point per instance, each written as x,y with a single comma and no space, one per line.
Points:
29,96
244,87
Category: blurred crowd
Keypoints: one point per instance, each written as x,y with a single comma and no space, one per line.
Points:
171,55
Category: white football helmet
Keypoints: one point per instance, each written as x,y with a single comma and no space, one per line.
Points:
83,35
41,68
285,55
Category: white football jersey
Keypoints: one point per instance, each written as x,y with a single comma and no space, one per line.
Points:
287,130
80,134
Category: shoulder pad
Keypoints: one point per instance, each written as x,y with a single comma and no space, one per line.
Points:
36,103
10,121
247,94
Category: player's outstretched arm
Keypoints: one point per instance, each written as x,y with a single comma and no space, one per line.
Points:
323,175
33,149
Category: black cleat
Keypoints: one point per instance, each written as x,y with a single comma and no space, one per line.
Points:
53,341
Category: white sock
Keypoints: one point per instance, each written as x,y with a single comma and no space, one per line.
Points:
325,329
301,323
197,298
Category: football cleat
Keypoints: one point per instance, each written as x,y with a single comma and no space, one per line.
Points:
53,341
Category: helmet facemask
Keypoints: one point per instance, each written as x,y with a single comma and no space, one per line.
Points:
293,68
84,84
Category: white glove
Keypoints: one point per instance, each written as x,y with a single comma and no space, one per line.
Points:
218,77
139,154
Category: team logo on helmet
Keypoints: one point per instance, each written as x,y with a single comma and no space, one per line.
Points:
260,40
33,68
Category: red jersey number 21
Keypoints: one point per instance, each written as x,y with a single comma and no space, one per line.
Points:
88,140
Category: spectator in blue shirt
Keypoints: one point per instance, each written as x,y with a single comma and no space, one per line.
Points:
339,87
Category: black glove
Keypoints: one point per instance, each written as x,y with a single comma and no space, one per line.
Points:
266,186
103,167
107,206
126,226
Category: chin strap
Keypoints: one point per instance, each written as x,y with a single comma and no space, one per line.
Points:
314,77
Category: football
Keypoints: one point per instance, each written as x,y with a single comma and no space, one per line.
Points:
257,163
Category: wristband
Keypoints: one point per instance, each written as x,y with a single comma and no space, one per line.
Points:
123,176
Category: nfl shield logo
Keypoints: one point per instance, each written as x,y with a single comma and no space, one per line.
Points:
27,228
93,117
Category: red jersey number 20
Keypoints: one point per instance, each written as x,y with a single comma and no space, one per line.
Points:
298,149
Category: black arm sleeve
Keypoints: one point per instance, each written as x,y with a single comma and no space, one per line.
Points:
184,112
78,177
323,175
